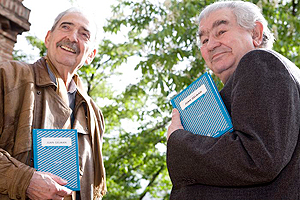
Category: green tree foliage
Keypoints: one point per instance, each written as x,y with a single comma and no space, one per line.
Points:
35,43
283,18
161,38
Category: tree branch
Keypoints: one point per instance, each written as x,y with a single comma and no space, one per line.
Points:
294,8
151,182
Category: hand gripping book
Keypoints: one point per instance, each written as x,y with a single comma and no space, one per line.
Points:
202,110
56,151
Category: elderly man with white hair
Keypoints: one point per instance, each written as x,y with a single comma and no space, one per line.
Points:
260,159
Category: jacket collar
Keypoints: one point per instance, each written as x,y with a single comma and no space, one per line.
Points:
42,78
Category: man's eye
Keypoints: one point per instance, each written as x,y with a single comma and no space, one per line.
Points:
204,41
65,27
221,32
86,36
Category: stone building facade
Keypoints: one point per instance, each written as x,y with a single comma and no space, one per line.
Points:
13,21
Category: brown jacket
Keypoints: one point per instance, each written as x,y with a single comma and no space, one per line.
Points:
28,100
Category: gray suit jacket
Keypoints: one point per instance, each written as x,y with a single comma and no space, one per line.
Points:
261,158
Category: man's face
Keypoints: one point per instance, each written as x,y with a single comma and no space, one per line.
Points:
69,44
224,42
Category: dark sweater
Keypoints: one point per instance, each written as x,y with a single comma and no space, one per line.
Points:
261,158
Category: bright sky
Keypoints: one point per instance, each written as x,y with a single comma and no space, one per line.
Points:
43,13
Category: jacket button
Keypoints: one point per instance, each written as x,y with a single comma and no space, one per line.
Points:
38,92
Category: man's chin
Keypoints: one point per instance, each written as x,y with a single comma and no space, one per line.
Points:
67,62
224,74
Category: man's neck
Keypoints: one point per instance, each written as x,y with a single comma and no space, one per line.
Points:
64,72
66,77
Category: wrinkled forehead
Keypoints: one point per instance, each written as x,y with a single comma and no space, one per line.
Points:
81,21
224,16
78,19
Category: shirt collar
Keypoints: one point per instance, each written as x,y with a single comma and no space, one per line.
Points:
72,87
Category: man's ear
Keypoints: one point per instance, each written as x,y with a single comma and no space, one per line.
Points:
91,57
257,34
47,38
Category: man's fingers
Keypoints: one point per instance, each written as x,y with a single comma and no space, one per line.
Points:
58,179
63,191
176,117
46,186
57,197
175,124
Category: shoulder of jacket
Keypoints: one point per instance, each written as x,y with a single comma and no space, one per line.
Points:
260,54
13,63
15,67
263,60
16,74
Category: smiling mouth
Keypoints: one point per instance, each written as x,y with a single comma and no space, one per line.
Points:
217,56
68,49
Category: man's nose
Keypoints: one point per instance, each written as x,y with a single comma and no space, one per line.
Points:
212,43
73,36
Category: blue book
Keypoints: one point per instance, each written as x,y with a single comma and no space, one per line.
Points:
56,151
202,110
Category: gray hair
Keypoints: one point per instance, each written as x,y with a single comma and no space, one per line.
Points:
78,10
246,15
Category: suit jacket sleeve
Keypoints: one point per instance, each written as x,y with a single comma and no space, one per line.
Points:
263,101
14,175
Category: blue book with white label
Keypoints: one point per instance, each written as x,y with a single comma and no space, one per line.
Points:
56,151
202,110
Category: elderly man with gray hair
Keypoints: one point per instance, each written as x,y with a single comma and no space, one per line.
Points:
49,95
260,159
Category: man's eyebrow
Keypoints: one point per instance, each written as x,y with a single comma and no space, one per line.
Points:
219,22
200,33
85,29
70,23
215,25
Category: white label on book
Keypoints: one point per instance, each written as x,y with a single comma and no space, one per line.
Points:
56,142
193,97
